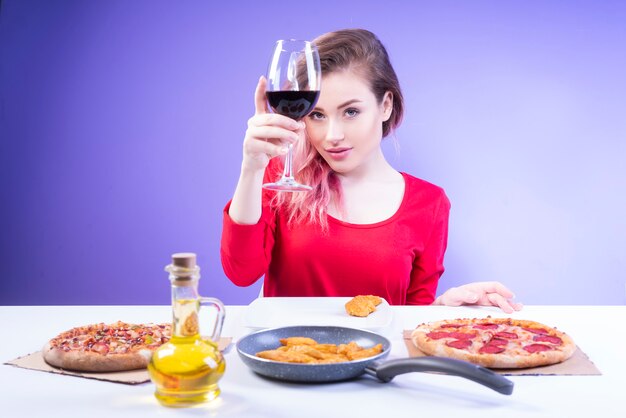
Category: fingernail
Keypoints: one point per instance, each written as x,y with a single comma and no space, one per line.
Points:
283,151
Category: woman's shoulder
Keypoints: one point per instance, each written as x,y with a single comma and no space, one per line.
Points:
417,185
424,196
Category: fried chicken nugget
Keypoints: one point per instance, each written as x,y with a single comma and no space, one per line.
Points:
376,300
362,305
351,347
365,352
309,352
326,348
298,341
332,358
359,307
285,356
318,356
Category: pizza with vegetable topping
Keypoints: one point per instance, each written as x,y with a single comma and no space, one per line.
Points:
106,348
494,342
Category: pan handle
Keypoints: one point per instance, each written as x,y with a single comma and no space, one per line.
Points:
390,369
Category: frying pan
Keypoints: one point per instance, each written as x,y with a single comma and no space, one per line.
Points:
269,339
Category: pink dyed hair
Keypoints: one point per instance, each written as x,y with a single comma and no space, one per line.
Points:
361,51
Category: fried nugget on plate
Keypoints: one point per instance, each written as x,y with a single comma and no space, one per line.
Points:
362,305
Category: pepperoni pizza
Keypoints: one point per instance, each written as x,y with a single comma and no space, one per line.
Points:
494,342
106,348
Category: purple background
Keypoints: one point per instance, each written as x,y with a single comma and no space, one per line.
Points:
122,122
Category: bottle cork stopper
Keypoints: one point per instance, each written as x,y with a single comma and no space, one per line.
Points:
184,260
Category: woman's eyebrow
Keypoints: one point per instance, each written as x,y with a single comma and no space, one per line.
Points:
347,103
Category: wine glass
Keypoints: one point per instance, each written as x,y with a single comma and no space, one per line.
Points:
293,87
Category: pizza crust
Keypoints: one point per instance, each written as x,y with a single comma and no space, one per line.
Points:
514,355
87,361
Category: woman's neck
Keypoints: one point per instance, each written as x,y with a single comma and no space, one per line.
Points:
370,194
375,170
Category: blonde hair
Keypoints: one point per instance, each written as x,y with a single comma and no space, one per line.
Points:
361,51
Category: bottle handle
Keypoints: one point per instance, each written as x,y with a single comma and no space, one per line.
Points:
219,319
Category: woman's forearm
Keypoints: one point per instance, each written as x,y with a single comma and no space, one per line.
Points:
246,206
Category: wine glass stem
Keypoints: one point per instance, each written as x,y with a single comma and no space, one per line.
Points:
288,171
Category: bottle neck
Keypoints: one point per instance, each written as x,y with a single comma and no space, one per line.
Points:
184,290
185,307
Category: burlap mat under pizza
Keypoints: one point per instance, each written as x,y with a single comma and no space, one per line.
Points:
579,364
35,361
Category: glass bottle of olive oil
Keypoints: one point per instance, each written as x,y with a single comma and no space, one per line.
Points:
187,368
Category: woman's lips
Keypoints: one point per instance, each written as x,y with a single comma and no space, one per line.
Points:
338,153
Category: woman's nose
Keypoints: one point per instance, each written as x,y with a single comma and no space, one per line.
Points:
335,131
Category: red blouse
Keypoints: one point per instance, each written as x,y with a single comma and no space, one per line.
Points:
399,259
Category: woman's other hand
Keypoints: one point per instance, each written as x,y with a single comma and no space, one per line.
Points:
480,293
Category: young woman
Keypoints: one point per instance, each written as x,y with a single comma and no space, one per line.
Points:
365,228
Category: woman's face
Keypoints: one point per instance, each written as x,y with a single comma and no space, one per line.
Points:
346,126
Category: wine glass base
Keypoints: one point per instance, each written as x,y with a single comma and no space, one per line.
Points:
287,185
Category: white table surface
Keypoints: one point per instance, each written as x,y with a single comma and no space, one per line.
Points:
600,331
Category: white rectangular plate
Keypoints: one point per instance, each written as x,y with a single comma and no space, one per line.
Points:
272,312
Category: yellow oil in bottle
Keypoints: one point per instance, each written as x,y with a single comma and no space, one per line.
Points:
186,369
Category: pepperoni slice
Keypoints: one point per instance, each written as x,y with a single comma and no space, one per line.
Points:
490,349
540,331
506,335
460,344
486,326
535,348
437,335
463,335
497,342
548,339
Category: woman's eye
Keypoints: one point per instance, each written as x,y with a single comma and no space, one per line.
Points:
315,115
352,112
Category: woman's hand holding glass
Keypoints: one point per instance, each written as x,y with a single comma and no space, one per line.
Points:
268,134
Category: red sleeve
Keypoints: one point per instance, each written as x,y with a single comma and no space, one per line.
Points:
428,267
246,250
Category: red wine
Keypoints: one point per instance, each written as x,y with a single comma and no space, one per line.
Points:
295,104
